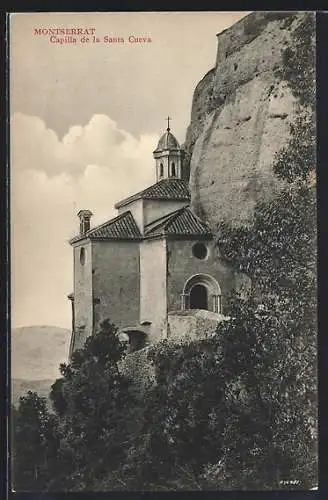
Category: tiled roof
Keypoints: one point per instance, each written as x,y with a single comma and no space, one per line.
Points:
182,222
122,227
166,189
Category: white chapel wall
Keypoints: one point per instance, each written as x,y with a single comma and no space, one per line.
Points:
154,209
82,293
115,281
153,306
137,210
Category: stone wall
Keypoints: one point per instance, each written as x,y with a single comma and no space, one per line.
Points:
153,304
183,327
192,324
82,293
182,265
115,277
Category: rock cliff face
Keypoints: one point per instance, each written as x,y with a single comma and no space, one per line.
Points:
240,118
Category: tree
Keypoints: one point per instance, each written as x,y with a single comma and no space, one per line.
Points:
270,396
276,325
34,443
256,428
178,433
93,401
237,411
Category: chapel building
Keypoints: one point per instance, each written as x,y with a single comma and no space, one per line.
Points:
155,260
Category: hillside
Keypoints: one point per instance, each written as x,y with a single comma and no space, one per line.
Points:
36,352
20,387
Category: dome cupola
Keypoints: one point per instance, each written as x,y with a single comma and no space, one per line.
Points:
167,141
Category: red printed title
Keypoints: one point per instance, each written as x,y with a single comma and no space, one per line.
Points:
64,36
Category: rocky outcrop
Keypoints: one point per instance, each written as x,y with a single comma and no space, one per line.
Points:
240,118
192,324
183,328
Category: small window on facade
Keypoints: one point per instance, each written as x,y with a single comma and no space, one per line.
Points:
82,256
161,170
173,174
199,250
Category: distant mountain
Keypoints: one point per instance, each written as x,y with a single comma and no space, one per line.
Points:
20,388
36,352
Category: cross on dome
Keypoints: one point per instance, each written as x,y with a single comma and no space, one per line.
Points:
167,156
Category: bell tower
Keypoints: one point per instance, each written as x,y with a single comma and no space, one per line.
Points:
167,156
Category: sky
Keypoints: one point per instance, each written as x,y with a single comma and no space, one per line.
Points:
85,118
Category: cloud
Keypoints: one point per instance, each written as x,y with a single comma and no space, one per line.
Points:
100,142
92,166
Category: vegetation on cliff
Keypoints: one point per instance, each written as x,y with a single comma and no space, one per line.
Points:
237,411
278,252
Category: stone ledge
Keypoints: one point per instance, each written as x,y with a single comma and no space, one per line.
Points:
193,324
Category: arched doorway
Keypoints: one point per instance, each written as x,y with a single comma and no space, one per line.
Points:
198,297
201,291
135,339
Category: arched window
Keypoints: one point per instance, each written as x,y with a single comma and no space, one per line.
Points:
82,256
161,170
198,297
173,174
201,291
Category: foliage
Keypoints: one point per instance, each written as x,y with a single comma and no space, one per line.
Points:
297,160
273,352
92,400
278,247
178,426
253,428
237,411
298,68
254,26
269,366
87,436
34,442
